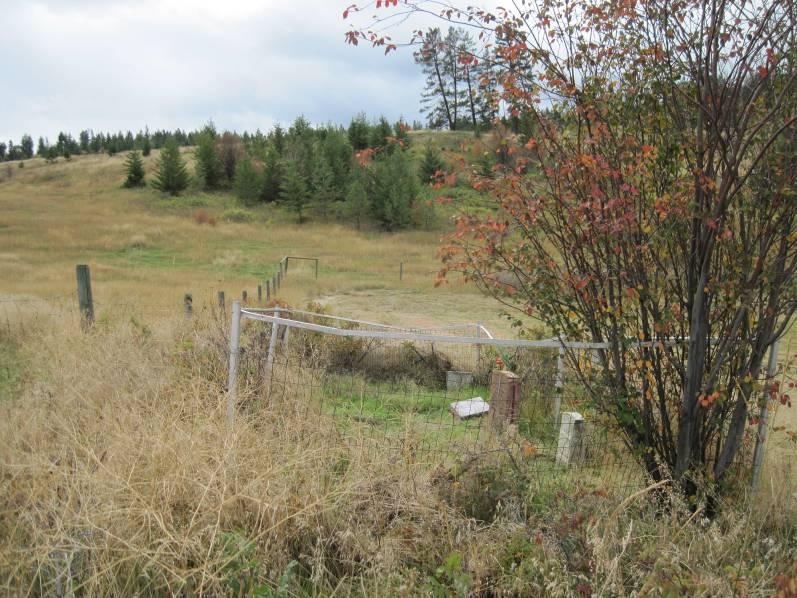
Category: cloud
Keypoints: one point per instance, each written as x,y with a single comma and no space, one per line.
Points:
124,64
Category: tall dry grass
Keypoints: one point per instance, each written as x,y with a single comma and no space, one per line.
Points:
119,477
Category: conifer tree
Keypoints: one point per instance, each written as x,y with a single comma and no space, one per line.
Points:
395,190
272,175
134,168
431,164
208,166
146,147
41,149
323,183
247,183
357,207
294,190
171,175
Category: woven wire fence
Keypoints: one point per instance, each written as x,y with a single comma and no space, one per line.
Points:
434,396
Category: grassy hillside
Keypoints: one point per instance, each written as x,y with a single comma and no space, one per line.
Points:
146,249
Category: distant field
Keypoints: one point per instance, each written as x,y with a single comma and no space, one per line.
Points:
145,249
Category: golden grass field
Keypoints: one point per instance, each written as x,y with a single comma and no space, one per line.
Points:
118,476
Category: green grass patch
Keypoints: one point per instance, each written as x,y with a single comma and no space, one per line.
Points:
12,368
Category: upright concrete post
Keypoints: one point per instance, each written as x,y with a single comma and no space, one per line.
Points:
570,448
235,340
763,416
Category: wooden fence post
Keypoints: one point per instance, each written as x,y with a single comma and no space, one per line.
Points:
243,297
260,293
268,291
316,268
188,304
401,270
221,299
84,297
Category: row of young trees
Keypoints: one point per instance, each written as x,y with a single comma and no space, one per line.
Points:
362,173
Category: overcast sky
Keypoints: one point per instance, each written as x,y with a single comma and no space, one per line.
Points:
124,64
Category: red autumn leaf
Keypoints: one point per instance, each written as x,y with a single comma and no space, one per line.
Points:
763,71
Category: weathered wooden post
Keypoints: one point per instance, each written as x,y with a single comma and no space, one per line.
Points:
221,299
274,284
763,416
260,293
504,399
401,270
235,339
243,297
316,268
84,297
188,305
268,291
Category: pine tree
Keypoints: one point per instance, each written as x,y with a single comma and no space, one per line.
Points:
323,182
208,166
134,168
431,164
294,190
41,149
395,190
357,207
171,175
247,183
147,146
272,175
26,146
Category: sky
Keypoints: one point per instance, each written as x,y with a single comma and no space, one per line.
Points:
111,65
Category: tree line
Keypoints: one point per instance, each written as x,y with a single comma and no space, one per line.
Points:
360,173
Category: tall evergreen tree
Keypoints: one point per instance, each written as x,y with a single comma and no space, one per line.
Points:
41,148
294,190
431,164
171,175
272,175
357,207
26,147
209,169
358,132
146,146
3,148
134,170
323,182
395,190
247,183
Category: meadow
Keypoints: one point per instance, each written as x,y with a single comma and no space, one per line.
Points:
120,477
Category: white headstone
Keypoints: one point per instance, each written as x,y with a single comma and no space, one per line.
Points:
470,408
571,438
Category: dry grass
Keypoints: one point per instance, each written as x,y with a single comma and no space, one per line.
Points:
119,477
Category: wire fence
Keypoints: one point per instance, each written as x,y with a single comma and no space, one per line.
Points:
433,396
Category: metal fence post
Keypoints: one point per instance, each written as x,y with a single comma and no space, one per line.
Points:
559,385
272,345
763,417
235,340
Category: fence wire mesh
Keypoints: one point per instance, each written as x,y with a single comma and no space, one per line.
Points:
437,396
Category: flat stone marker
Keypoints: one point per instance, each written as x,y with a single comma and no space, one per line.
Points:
456,380
470,408
571,438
